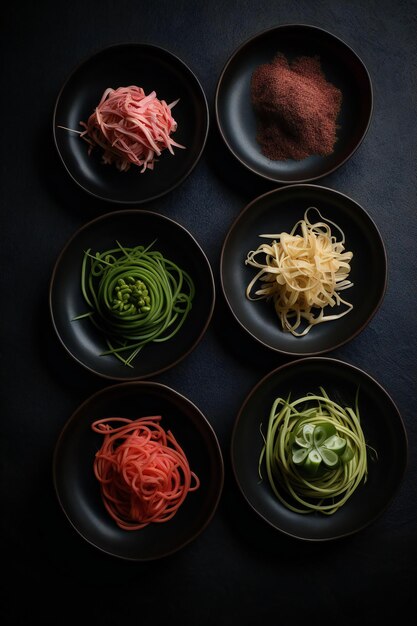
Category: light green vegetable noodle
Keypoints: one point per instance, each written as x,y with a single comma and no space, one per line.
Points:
314,453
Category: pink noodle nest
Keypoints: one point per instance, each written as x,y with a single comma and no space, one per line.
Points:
132,128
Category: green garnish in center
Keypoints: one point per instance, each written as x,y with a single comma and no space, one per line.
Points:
131,296
318,447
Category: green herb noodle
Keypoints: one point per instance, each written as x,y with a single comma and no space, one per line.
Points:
136,297
291,450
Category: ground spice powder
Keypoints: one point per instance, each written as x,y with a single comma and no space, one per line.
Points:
296,108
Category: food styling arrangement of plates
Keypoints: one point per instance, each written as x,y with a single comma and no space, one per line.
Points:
152,68
78,490
236,118
84,342
278,211
384,434
74,302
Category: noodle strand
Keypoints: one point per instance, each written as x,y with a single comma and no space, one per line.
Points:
132,128
136,296
329,489
143,472
302,273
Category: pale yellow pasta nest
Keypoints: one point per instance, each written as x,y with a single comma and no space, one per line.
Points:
302,273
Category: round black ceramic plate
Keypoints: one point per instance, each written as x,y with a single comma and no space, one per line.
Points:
151,68
383,430
131,227
342,67
78,491
278,211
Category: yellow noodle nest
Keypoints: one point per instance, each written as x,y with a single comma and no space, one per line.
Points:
302,273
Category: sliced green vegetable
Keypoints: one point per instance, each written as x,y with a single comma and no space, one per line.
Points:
318,447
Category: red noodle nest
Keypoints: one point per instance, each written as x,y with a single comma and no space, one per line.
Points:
143,472
131,127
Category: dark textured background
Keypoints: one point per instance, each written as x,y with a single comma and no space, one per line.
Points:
238,571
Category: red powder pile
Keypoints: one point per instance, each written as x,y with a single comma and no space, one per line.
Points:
296,108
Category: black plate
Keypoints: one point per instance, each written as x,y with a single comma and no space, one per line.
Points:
78,491
383,430
278,211
130,227
342,67
151,68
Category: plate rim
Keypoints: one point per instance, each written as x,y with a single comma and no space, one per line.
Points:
112,215
284,189
233,56
172,393
90,57
362,373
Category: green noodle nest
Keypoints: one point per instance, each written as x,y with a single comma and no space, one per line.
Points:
136,296
328,489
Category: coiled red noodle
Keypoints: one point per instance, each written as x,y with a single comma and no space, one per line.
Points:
143,472
131,127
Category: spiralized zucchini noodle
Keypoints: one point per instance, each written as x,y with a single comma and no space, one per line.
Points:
144,473
136,296
302,273
327,489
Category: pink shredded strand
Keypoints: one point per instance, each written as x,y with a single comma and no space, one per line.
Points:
131,127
